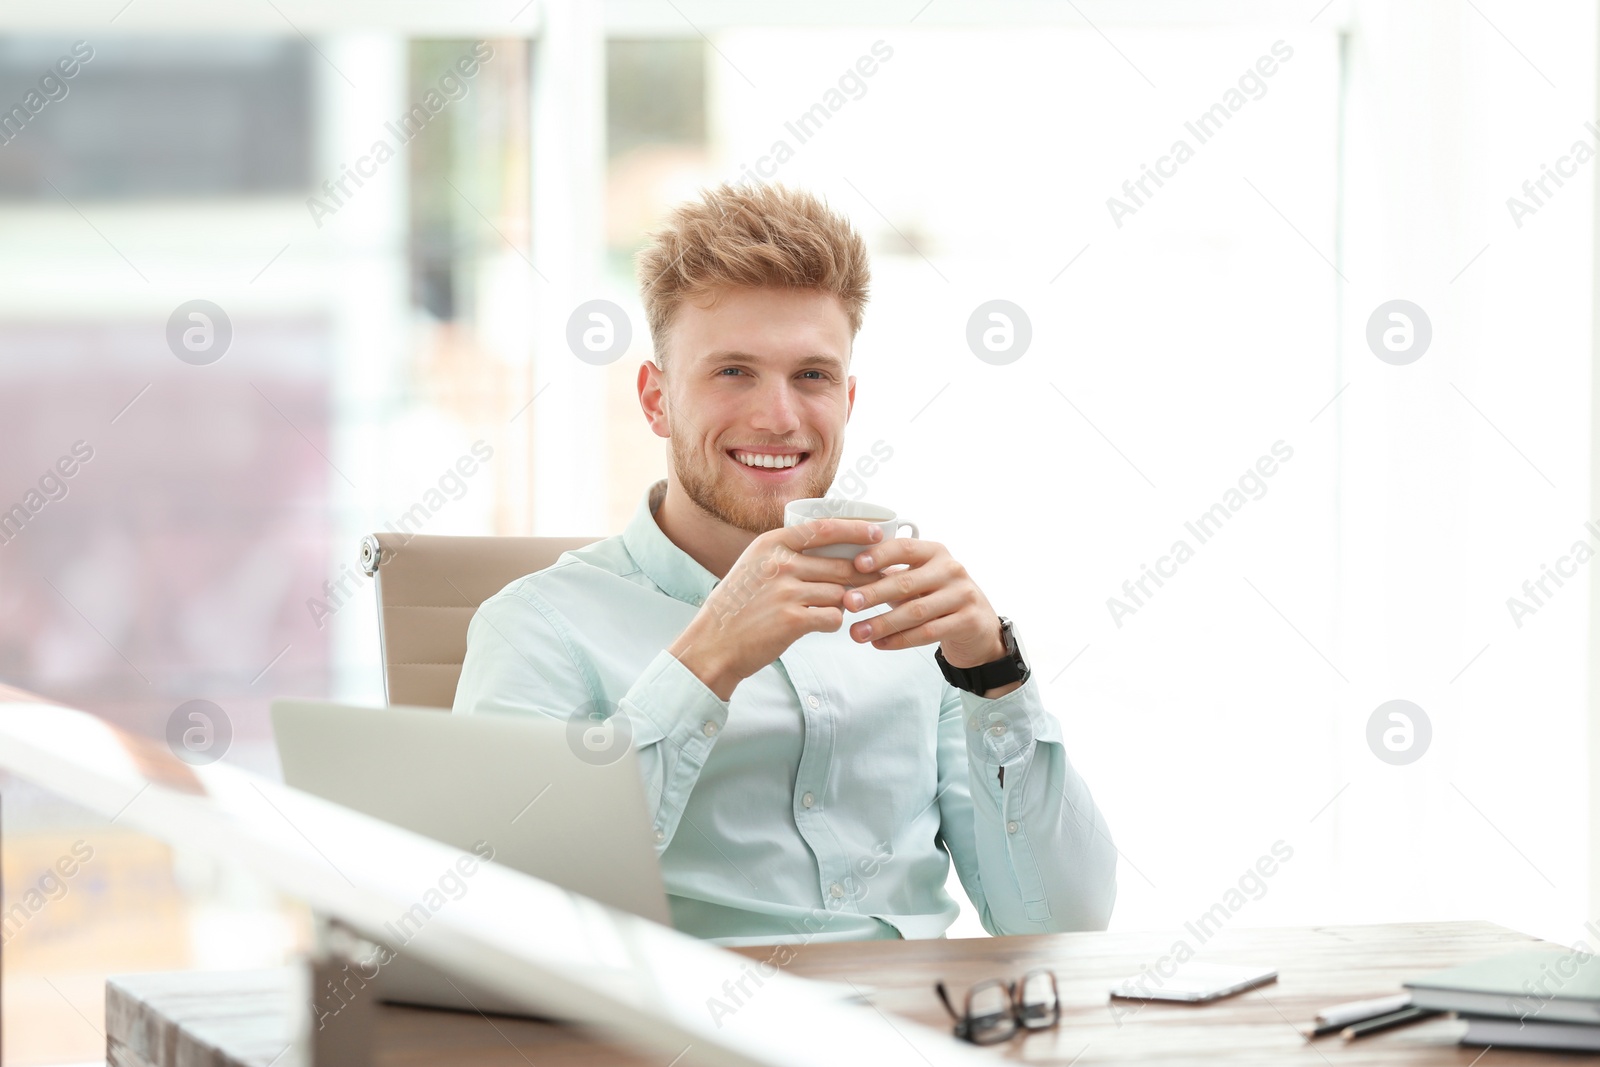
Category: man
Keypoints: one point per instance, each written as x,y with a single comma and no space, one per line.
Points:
806,779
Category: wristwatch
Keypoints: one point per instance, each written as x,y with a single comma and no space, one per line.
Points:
986,676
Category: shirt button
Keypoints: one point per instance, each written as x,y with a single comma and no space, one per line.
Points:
1011,827
807,800
836,890
997,729
660,835
813,701
710,729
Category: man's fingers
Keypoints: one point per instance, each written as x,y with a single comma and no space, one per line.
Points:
824,619
822,595
917,621
830,532
905,551
828,569
889,587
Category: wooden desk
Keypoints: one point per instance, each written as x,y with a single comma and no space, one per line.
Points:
242,1019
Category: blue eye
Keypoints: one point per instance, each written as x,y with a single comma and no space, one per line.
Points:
820,375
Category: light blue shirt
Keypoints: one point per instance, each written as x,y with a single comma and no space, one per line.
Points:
825,800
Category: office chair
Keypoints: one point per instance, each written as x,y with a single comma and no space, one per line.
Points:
428,588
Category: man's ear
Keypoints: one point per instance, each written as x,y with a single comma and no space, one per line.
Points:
850,404
653,398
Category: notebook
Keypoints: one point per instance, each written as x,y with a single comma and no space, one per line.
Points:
1484,1030
1548,986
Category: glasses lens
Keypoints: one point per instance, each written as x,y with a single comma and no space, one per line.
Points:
1040,1006
989,1013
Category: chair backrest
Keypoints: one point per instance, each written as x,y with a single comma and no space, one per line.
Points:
428,589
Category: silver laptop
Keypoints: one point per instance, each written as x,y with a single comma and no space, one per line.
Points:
511,781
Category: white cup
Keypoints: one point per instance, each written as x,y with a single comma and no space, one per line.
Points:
799,511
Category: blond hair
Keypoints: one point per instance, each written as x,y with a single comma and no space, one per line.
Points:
750,236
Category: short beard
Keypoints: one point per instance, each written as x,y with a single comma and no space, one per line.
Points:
715,493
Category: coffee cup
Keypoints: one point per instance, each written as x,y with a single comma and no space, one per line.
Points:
799,511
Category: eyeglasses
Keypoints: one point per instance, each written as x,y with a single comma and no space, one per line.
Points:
995,1009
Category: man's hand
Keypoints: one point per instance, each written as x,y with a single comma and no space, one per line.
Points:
772,596
931,597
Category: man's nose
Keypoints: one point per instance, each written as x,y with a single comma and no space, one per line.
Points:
776,412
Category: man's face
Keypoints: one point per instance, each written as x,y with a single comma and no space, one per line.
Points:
761,371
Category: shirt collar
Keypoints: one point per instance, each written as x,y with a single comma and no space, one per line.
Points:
673,570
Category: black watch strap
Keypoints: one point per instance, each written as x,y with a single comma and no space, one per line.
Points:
986,676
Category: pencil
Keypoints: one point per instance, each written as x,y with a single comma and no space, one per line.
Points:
1384,1022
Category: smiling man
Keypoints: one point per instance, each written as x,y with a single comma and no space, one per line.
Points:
820,738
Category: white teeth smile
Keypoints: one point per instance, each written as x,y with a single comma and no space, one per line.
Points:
756,459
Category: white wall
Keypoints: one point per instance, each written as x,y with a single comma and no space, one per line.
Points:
1466,472
1231,711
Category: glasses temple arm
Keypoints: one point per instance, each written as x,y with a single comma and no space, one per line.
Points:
944,998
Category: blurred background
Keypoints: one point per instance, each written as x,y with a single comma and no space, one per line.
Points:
390,211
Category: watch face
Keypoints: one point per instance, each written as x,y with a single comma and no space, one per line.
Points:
1010,638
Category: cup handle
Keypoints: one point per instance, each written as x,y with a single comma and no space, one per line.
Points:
903,522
